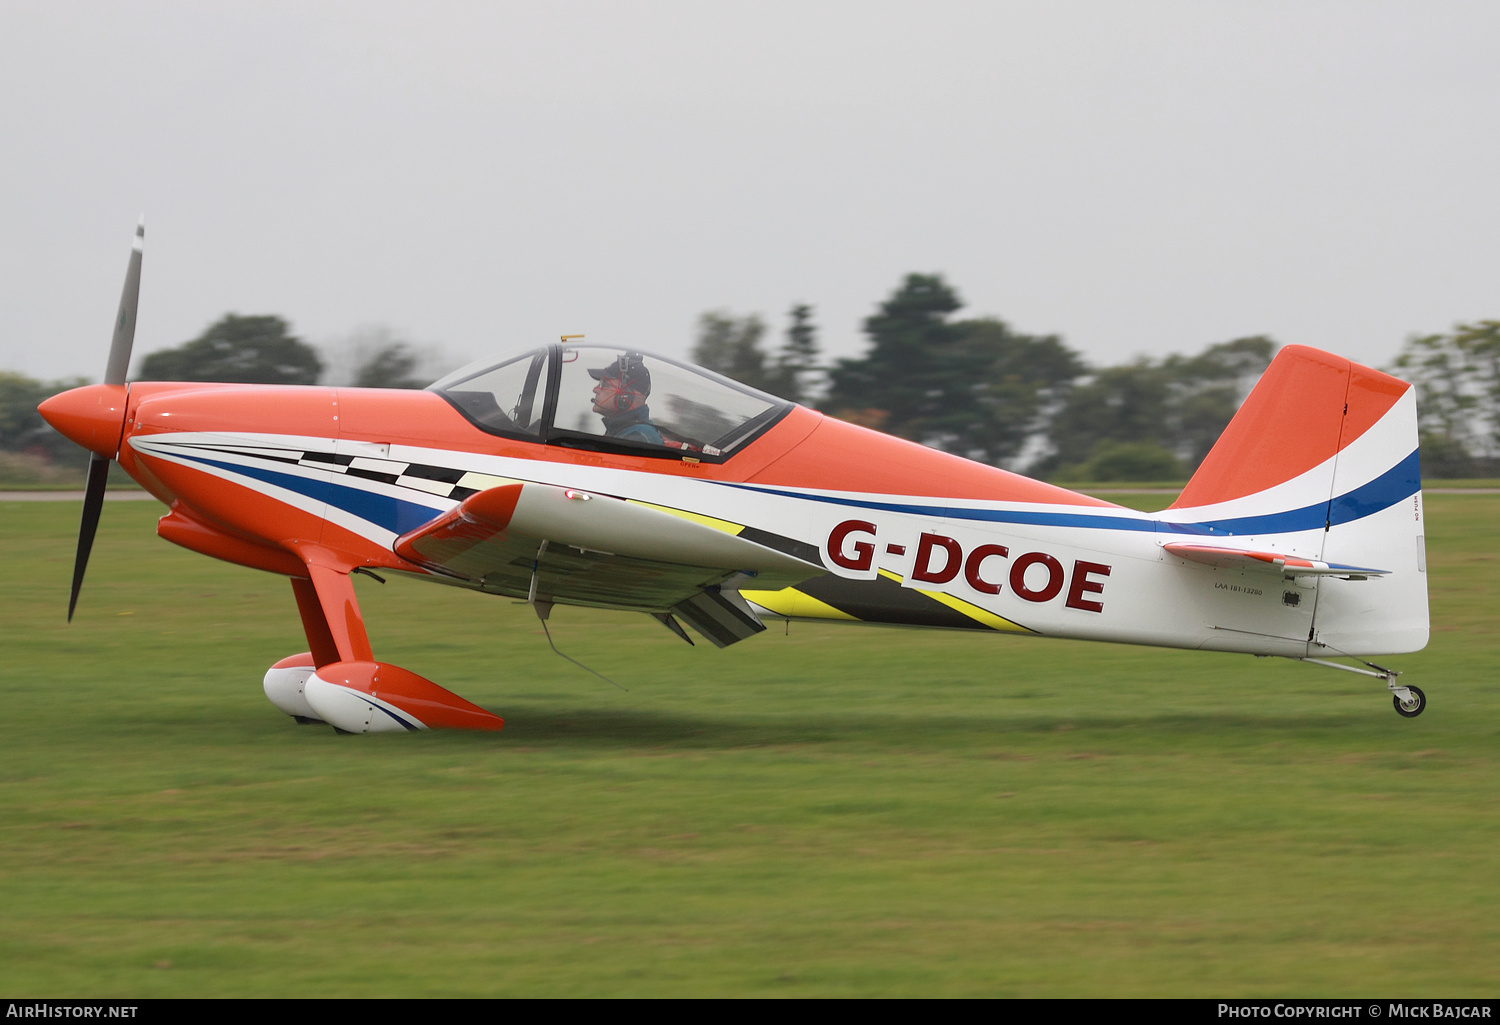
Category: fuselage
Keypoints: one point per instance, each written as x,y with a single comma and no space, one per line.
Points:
904,534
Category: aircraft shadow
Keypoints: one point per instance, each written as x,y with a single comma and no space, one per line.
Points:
542,725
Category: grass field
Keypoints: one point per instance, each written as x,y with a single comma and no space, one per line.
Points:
838,810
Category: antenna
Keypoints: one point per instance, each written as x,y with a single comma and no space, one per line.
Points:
543,609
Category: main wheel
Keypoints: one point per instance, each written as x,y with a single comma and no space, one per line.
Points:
1413,708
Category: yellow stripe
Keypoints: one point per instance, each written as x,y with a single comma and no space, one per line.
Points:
976,613
793,604
969,609
707,521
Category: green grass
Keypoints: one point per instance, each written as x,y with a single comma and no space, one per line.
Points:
840,810
1466,483
23,471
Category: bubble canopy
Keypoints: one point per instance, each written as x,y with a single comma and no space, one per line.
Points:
613,399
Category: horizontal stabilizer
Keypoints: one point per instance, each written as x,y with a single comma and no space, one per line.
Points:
1286,565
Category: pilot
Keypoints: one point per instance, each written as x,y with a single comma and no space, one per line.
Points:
620,399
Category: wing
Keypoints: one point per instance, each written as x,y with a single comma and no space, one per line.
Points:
1285,565
574,547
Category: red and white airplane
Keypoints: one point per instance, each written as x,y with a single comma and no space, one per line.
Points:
584,474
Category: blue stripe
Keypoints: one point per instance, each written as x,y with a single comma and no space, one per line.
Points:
1401,481
394,514
1049,519
410,726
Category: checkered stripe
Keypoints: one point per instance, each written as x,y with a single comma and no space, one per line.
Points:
443,481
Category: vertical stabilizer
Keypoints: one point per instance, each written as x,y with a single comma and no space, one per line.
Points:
1321,461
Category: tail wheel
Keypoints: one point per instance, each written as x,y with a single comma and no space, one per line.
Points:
1412,706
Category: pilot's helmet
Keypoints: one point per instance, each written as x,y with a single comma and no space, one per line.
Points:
630,380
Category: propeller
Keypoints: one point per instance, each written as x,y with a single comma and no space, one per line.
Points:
114,374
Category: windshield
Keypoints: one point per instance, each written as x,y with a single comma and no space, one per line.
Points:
612,398
504,398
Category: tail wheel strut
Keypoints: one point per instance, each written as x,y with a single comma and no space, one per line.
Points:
1410,702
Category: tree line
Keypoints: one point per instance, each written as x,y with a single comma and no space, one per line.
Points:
240,349
981,389
1457,376
973,386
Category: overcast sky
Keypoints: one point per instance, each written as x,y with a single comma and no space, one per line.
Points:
1139,178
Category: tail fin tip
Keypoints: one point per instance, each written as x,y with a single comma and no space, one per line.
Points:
1307,407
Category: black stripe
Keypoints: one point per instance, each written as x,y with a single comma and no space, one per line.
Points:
442,474
327,457
268,456
384,478
787,545
883,600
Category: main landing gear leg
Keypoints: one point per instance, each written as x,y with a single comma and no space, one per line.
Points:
339,682
1410,702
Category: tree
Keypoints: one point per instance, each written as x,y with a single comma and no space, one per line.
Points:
374,356
905,376
391,366
1125,460
795,375
1457,377
20,423
22,428
245,350
972,387
1124,404
1008,388
1481,341
1207,390
730,345
1179,406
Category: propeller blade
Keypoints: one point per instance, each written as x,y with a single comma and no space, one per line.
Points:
114,373
93,502
130,299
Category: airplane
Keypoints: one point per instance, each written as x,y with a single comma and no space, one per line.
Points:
576,473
